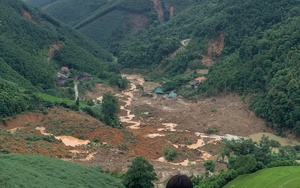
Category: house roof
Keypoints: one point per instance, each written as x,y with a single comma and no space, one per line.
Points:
64,69
201,79
159,90
194,82
172,95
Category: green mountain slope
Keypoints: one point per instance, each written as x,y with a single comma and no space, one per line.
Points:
107,21
39,171
250,47
33,48
285,177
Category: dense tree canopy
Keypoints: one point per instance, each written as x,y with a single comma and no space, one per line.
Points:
140,174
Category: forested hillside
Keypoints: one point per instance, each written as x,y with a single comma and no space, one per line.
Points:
250,47
33,48
108,22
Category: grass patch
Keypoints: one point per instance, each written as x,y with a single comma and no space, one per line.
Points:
284,177
53,99
49,172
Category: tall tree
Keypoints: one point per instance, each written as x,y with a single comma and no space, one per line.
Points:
110,108
140,174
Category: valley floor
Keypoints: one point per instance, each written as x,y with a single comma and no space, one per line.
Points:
151,125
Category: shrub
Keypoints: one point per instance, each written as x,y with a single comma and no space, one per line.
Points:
170,153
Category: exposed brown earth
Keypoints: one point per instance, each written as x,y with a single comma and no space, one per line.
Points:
28,17
160,123
53,47
159,9
136,22
214,50
171,11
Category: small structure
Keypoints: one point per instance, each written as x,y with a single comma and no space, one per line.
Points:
201,79
194,83
84,77
172,95
64,69
159,91
61,79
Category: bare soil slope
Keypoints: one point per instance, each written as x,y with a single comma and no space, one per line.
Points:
150,125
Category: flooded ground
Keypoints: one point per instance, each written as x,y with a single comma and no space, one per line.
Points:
150,124
179,124
67,140
283,141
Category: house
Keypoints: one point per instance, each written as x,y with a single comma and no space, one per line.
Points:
159,91
61,79
201,79
172,95
64,69
193,83
84,77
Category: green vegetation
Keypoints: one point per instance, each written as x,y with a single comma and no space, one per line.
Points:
140,174
285,177
209,166
245,156
14,100
107,22
57,100
170,153
110,108
39,3
27,67
50,172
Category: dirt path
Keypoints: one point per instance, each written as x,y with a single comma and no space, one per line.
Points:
76,88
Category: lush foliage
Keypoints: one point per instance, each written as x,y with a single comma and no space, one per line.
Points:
246,156
50,172
14,100
105,21
140,174
170,153
110,108
25,41
284,177
209,165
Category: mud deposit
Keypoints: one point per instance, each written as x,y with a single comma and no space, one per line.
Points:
150,124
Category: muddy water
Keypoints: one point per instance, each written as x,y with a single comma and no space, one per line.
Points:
67,140
283,141
169,127
128,94
186,162
72,141
14,130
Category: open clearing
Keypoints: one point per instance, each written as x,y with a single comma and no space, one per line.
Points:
281,177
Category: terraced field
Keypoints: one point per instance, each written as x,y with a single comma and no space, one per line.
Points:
281,177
